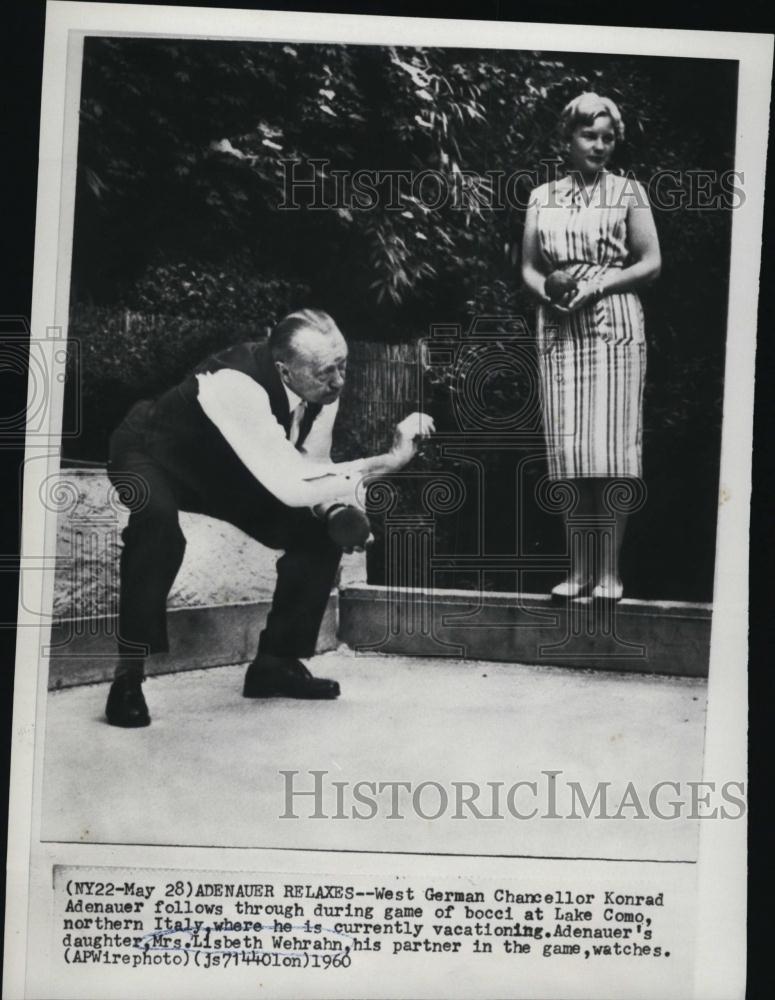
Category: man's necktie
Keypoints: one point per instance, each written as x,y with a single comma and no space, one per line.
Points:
296,418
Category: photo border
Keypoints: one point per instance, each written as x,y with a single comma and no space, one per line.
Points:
726,722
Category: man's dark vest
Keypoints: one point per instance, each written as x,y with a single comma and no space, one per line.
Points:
186,442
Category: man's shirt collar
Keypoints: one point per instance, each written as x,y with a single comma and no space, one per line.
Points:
293,399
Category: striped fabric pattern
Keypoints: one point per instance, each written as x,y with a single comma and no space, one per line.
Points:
592,405
593,361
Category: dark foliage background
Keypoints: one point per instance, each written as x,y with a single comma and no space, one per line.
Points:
180,246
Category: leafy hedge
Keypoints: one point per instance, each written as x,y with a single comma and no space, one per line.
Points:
123,355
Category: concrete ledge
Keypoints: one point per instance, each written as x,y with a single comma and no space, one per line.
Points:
83,651
655,637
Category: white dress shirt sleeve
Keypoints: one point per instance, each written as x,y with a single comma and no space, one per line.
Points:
239,408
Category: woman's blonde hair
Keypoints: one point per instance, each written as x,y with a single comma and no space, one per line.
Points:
584,109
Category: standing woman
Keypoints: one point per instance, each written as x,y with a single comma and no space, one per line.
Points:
590,243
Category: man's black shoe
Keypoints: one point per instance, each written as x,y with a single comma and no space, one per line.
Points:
283,677
126,706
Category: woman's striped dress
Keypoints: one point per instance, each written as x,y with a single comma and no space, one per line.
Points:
592,362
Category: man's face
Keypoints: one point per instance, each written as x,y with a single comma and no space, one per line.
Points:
317,366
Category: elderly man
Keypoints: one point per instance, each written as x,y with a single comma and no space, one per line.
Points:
246,438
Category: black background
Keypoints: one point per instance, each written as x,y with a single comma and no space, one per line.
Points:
23,27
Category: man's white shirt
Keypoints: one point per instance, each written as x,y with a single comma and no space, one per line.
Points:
239,408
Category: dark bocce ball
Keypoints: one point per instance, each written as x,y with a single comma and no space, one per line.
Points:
559,285
349,527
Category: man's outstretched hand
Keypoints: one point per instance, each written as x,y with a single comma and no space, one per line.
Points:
408,433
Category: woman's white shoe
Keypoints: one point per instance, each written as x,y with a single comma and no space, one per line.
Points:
570,589
608,592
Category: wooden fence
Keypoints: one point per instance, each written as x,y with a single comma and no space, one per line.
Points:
383,386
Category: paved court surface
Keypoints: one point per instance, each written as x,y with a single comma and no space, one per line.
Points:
206,772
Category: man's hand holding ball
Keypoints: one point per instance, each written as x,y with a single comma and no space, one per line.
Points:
348,527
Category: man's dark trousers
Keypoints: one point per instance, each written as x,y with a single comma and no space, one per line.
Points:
154,546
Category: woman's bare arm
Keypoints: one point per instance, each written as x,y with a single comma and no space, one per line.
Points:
532,261
643,244
645,259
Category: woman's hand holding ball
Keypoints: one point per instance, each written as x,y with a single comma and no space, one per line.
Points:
559,287
566,294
